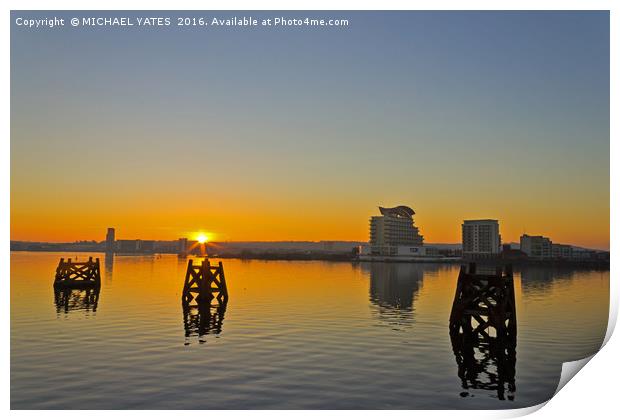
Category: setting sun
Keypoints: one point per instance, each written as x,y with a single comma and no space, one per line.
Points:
202,238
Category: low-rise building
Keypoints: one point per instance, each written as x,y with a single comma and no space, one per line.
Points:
536,247
128,245
182,246
561,252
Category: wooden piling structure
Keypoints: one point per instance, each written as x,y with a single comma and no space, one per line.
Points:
483,330
204,299
484,304
74,274
205,284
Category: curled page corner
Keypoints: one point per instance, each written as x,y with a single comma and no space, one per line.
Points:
518,412
613,313
570,369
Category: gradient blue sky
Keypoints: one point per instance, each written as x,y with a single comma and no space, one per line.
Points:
299,133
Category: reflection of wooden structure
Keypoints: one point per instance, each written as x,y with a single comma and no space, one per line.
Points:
487,364
483,330
204,284
202,319
76,274
68,299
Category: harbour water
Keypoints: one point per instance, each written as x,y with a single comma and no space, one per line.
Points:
294,335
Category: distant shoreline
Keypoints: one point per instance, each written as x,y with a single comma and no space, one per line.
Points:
341,257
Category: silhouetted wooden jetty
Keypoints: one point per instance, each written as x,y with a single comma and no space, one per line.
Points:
483,321
204,299
205,283
484,304
78,274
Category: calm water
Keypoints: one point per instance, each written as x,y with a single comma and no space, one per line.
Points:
307,335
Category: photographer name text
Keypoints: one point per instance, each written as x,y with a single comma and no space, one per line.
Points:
178,21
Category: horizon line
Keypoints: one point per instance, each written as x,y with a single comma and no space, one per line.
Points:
284,240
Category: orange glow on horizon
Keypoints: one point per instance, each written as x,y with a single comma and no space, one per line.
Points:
583,223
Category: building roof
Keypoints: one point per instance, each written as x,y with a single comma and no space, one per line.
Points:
398,211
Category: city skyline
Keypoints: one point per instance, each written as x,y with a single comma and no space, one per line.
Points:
203,237
298,134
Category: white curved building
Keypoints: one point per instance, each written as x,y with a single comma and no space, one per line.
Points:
394,236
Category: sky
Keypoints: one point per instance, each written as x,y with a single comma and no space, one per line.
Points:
300,133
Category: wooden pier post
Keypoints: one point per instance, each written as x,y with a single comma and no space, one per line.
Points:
484,304
483,320
204,299
204,283
77,275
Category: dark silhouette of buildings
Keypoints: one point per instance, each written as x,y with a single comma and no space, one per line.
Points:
110,239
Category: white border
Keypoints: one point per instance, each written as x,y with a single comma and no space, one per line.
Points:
592,394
